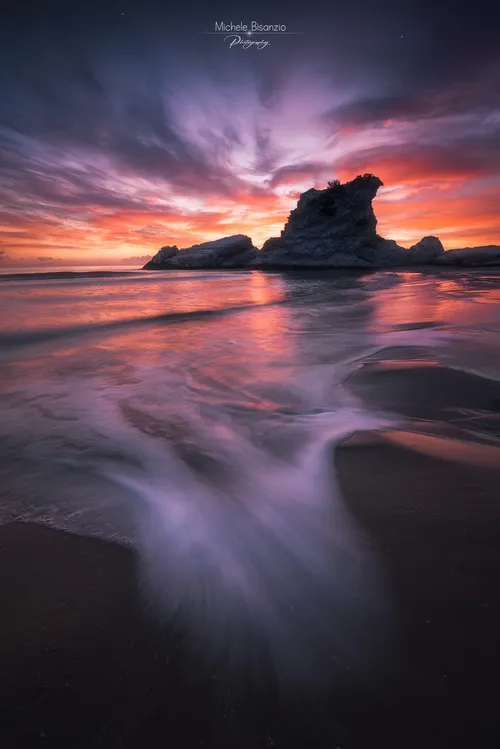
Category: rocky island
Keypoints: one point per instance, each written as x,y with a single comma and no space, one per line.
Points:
331,228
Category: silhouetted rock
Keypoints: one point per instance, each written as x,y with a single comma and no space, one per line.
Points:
164,256
471,256
236,251
337,228
426,251
331,228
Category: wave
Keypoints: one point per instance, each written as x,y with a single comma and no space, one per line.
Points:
47,275
241,547
15,341
136,276
245,545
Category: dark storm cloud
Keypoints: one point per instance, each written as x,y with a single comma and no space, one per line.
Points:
373,111
417,59
129,128
267,153
43,183
480,98
92,99
95,78
304,169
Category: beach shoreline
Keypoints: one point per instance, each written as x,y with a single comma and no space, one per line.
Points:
408,370
82,664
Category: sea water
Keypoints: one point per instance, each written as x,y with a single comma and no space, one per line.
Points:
194,415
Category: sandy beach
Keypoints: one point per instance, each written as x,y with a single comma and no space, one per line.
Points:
437,526
192,441
81,664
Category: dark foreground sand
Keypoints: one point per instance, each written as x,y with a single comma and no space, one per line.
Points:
80,665
437,526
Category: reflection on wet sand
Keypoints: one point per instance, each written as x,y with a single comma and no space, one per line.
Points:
211,435
195,418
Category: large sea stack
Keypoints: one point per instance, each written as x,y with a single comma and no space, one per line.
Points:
337,228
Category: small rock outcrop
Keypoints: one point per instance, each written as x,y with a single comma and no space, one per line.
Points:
470,257
162,257
425,252
229,252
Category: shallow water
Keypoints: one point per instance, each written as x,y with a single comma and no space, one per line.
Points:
194,415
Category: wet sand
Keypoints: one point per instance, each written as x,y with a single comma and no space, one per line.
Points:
427,391
436,524
81,665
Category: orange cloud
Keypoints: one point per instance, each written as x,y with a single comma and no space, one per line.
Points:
458,221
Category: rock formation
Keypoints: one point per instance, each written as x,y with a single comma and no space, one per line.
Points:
425,252
229,252
162,257
331,228
471,256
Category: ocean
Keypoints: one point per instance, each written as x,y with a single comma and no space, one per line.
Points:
194,416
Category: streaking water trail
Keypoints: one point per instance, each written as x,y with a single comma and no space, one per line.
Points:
199,423
239,543
242,532
10,341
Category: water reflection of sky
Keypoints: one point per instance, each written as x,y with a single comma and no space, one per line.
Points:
455,299
207,439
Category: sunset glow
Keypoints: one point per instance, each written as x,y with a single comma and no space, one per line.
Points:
107,157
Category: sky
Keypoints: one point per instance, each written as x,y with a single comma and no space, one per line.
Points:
124,126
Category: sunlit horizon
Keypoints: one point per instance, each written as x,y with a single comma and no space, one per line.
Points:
109,149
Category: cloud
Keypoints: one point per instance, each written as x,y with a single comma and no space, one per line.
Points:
479,97
126,136
420,163
136,260
293,173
